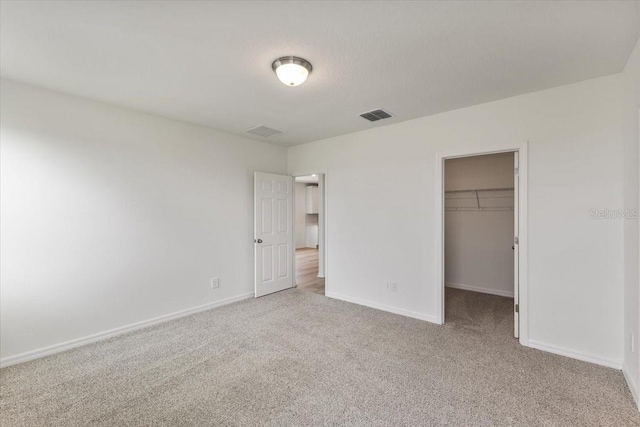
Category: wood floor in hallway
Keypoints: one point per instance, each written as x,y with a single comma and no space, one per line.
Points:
307,271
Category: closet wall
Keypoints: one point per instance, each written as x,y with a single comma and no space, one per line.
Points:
479,224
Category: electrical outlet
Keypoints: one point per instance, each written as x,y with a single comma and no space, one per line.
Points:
392,287
215,283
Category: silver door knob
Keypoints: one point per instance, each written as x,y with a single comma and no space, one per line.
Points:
259,241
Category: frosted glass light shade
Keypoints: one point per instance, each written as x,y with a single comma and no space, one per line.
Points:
291,70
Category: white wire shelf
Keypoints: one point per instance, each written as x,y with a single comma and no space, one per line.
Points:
485,199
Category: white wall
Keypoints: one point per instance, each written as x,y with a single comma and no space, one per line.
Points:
300,209
110,216
478,254
631,81
381,219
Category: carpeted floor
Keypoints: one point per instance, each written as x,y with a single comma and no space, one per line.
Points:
297,358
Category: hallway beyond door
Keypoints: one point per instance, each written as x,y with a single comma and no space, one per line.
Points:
307,271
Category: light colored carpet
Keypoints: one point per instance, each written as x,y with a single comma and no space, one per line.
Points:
297,358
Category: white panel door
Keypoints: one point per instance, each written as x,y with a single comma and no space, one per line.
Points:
516,252
273,230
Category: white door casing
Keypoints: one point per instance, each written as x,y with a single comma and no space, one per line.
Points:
321,226
516,246
521,205
273,233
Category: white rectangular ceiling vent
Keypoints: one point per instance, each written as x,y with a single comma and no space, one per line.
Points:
263,131
375,115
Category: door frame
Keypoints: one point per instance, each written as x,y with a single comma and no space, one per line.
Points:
323,225
522,149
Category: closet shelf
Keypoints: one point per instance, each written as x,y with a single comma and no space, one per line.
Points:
480,189
486,199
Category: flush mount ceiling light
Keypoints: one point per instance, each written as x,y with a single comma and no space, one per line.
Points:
291,70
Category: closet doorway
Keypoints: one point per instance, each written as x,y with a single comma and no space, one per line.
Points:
481,212
309,233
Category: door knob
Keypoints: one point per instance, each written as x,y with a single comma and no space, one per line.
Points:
258,241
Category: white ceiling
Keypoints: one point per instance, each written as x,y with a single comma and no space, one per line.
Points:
210,62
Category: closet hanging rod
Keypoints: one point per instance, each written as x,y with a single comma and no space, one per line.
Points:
473,196
481,209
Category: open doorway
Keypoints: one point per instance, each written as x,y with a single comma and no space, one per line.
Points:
480,241
309,233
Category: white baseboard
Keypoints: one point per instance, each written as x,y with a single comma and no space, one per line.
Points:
382,307
479,289
633,386
78,342
575,354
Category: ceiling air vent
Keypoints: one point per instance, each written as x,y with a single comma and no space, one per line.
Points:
263,131
375,115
